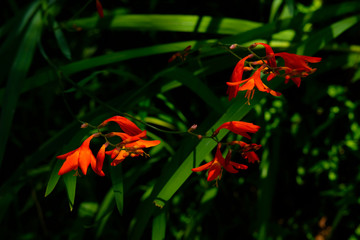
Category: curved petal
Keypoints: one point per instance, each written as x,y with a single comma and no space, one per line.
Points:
230,168
238,165
97,167
71,163
236,76
125,124
239,127
64,156
269,54
120,157
144,143
252,157
85,158
203,167
214,172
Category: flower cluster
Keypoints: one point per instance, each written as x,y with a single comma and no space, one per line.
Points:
131,145
132,141
247,151
295,67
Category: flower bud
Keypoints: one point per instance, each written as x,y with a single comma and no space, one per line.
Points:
192,128
253,45
84,125
233,46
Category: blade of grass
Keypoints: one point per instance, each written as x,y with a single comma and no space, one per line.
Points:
118,187
17,74
54,178
14,36
196,85
159,226
166,22
61,40
179,170
321,38
70,184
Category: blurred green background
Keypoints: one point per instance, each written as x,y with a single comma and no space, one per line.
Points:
60,63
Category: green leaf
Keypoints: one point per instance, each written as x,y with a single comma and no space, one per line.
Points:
235,112
179,170
196,85
70,184
321,38
105,210
159,226
54,177
13,30
17,74
61,40
118,187
167,22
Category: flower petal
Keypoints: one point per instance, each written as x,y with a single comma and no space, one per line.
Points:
125,124
71,163
203,167
100,160
214,172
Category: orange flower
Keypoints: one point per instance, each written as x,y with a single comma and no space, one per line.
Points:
130,146
238,127
81,157
236,77
216,165
249,85
100,157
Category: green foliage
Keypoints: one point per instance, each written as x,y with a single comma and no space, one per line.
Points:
62,65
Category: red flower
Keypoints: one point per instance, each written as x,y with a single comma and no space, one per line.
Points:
247,150
269,54
81,157
249,85
296,66
99,9
216,165
236,77
125,124
238,127
130,146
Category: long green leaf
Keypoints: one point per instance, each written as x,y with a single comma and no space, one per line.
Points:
324,36
118,187
70,184
14,30
61,40
54,178
17,74
180,168
196,85
177,23
159,226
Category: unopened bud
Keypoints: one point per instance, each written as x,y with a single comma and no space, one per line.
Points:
192,128
199,137
253,45
233,46
84,125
